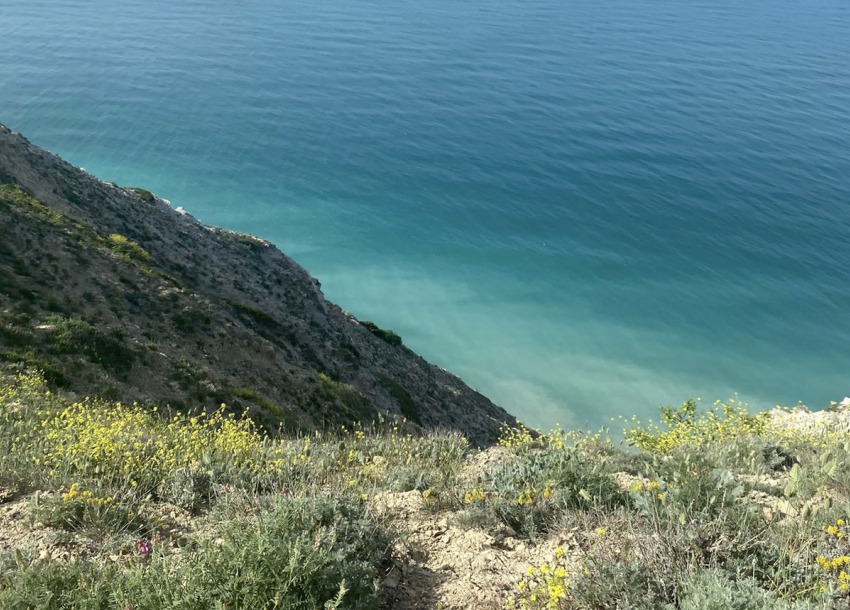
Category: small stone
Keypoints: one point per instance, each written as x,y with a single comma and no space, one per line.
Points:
392,579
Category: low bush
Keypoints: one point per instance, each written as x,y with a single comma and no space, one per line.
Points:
127,248
534,492
75,336
717,590
385,335
189,487
255,314
402,397
687,426
621,585
97,515
302,555
143,194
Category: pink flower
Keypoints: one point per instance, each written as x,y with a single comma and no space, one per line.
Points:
143,547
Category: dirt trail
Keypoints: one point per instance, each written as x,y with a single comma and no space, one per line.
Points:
441,565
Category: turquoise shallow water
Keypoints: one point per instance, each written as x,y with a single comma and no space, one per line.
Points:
583,208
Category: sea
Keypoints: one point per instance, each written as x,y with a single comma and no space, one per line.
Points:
584,208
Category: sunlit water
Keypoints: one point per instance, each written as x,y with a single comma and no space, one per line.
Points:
583,208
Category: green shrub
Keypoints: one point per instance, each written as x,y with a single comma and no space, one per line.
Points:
189,488
706,519
12,195
184,373
15,336
402,397
622,586
716,590
74,336
250,395
258,316
687,426
386,335
34,362
96,514
127,248
830,468
189,321
145,195
316,544
694,488
531,493
28,585
303,555
353,405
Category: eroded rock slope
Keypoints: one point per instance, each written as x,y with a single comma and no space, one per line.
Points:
112,291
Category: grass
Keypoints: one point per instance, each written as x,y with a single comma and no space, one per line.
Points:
755,517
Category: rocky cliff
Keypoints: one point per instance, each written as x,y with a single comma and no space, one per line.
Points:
111,291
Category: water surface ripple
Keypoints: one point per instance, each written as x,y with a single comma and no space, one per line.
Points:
583,208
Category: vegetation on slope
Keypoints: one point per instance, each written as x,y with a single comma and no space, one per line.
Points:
385,335
149,509
115,312
284,521
111,292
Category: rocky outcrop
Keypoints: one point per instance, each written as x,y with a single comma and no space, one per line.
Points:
800,420
111,290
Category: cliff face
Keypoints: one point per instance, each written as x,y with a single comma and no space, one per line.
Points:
110,290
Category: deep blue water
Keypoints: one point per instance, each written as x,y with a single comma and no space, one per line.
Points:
583,208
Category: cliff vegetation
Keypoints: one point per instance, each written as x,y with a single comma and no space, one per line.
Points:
110,291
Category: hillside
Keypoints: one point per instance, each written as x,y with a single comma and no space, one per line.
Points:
186,423
109,291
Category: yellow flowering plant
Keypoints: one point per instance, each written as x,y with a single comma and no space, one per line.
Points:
98,515
834,559
544,586
687,426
